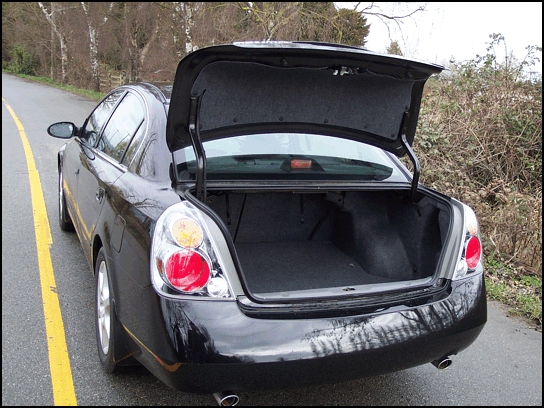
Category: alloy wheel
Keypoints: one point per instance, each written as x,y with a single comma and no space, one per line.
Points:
103,307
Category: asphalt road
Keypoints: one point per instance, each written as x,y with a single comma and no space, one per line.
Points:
503,366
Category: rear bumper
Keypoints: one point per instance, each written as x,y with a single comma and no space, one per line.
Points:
215,347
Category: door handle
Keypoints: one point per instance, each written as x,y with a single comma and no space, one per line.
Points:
76,172
99,194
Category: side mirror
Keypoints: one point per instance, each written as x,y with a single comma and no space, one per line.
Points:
62,130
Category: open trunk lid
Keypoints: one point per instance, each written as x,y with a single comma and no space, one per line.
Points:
296,87
265,87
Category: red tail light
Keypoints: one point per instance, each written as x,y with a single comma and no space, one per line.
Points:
184,262
473,252
187,271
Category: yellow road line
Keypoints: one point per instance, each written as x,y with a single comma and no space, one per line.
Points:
59,361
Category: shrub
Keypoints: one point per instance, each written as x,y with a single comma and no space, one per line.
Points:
21,61
482,127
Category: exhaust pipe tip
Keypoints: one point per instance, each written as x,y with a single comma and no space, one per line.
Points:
442,363
226,398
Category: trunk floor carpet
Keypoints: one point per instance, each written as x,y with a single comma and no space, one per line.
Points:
290,266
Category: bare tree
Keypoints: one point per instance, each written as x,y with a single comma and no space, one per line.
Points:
393,16
181,17
189,24
269,17
307,21
221,23
174,24
56,30
141,37
142,23
398,18
317,21
93,40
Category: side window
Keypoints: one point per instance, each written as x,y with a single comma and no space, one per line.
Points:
99,116
153,160
122,126
134,145
145,166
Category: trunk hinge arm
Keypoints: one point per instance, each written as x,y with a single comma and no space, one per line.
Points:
200,154
415,162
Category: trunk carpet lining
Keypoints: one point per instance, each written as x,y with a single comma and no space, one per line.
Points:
290,266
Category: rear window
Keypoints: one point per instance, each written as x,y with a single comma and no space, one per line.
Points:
288,156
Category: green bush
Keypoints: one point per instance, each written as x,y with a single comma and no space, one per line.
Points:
21,61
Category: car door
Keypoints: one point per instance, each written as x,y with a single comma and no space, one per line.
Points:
100,167
80,152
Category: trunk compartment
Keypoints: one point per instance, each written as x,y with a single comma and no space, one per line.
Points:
301,241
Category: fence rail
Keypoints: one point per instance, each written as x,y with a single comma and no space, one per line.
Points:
110,79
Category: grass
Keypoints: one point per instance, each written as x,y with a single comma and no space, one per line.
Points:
511,286
93,95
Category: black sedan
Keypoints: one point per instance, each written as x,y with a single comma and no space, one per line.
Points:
251,226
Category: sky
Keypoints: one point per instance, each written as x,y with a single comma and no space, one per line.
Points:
456,30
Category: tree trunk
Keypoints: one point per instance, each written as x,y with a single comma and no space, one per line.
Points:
175,14
62,40
93,49
63,58
145,49
52,44
189,23
93,43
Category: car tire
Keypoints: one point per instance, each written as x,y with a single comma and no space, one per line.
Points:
65,221
106,335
